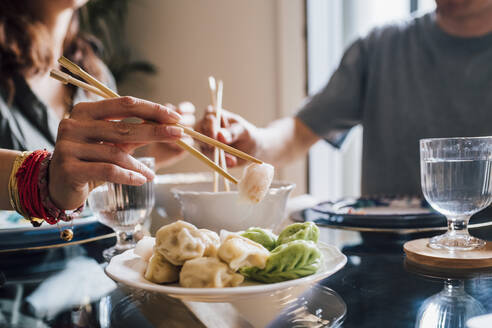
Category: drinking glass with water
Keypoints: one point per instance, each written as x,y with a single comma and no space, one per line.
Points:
456,181
122,207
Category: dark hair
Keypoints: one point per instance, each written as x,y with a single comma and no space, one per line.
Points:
24,44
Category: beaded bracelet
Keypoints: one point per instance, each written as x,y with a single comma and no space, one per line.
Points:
46,201
13,192
29,194
28,188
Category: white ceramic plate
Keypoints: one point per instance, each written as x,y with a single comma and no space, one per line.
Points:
128,269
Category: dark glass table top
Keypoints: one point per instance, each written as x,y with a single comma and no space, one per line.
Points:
66,287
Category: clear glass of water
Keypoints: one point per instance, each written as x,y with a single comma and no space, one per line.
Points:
456,181
122,207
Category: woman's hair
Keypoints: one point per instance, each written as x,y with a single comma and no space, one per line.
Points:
25,47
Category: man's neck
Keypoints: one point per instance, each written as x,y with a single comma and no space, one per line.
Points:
470,26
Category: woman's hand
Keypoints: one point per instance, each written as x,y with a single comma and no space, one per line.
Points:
235,131
92,148
166,154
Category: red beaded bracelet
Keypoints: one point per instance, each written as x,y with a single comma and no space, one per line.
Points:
32,185
51,209
27,188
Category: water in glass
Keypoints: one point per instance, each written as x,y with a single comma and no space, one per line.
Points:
122,207
457,187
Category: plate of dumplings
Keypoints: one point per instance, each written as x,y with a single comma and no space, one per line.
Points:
200,265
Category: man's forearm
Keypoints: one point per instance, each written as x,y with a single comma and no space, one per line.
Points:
284,141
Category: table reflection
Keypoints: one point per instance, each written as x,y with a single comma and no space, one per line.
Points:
377,288
320,307
450,308
128,308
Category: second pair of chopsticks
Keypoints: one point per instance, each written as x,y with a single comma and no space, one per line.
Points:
216,92
100,89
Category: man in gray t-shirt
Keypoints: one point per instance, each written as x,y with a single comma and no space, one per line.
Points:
430,76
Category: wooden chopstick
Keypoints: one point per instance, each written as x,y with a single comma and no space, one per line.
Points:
212,85
65,79
180,143
213,142
223,164
75,69
206,160
219,154
72,67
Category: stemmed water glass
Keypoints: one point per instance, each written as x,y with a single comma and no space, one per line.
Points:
456,181
122,207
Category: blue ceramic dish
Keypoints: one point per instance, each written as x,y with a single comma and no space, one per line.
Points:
17,235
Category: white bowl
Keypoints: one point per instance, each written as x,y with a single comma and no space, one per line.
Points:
167,208
224,210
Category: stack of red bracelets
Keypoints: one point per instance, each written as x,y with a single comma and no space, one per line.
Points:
28,189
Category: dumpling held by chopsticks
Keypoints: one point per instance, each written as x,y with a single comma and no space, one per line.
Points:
255,182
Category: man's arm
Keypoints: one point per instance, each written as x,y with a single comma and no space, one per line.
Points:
284,141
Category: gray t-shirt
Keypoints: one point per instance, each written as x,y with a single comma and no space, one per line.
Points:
403,83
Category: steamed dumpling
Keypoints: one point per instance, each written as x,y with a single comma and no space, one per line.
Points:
144,248
262,236
239,251
299,231
211,240
160,271
179,242
292,260
208,272
255,182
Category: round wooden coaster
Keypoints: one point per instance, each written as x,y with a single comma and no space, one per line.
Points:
417,251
